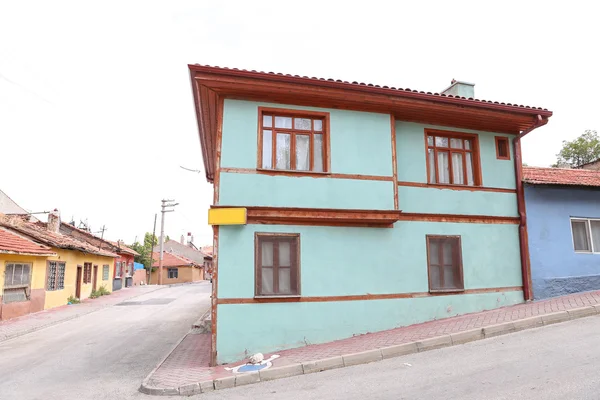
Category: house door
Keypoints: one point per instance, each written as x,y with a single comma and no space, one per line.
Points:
78,283
94,278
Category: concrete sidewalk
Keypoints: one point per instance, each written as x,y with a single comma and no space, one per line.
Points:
185,371
33,322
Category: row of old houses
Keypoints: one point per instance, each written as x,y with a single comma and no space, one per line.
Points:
49,264
342,208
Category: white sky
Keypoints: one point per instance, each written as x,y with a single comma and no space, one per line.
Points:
96,111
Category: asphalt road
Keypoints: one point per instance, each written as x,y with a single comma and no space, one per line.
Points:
560,361
103,355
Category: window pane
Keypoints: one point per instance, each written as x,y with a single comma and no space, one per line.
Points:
580,236
283,122
456,143
429,140
431,158
458,176
284,254
267,149
318,166
595,225
470,180
443,171
26,272
267,254
434,252
318,125
503,148
467,144
16,278
283,151
302,123
447,252
285,283
441,141
449,282
267,281
61,276
302,152
434,277
267,121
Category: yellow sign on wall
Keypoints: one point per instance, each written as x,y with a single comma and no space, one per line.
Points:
227,216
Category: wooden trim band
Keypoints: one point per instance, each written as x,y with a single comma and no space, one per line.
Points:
311,174
363,297
457,218
455,187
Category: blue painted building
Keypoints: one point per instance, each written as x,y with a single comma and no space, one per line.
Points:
344,208
563,218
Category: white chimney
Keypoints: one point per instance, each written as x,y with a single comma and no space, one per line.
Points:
190,238
459,88
182,240
53,224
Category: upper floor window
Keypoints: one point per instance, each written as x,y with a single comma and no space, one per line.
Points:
502,148
452,158
293,140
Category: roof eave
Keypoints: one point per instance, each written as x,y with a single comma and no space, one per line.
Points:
26,253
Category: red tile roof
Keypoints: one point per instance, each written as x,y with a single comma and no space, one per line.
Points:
12,243
124,249
432,95
561,176
39,232
172,260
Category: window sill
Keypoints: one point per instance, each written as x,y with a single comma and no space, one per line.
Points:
450,186
290,172
442,291
292,296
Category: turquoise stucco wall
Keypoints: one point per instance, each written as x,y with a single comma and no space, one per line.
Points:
412,160
338,261
266,328
448,201
286,191
360,141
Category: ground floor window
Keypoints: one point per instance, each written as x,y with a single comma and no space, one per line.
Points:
55,275
586,235
277,264
173,273
87,272
17,278
105,272
444,263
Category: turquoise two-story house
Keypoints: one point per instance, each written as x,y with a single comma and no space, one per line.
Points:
344,208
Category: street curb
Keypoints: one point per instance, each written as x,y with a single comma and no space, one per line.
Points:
368,356
48,325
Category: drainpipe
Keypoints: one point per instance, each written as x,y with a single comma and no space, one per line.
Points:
523,241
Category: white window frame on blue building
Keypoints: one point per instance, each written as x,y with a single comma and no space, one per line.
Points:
590,247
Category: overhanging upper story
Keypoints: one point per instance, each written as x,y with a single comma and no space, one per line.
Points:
212,85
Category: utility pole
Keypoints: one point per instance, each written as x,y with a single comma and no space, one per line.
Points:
166,204
152,251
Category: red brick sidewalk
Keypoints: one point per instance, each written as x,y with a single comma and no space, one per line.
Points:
33,322
188,363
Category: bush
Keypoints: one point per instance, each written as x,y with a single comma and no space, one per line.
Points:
101,291
73,300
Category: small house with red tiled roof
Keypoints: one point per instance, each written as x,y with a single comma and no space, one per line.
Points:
311,173
22,274
46,267
563,225
176,269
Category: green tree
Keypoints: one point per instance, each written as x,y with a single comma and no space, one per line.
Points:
584,149
145,249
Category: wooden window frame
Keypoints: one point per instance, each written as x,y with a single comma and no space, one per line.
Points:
25,287
56,275
457,255
285,112
497,140
474,138
87,273
295,267
170,269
